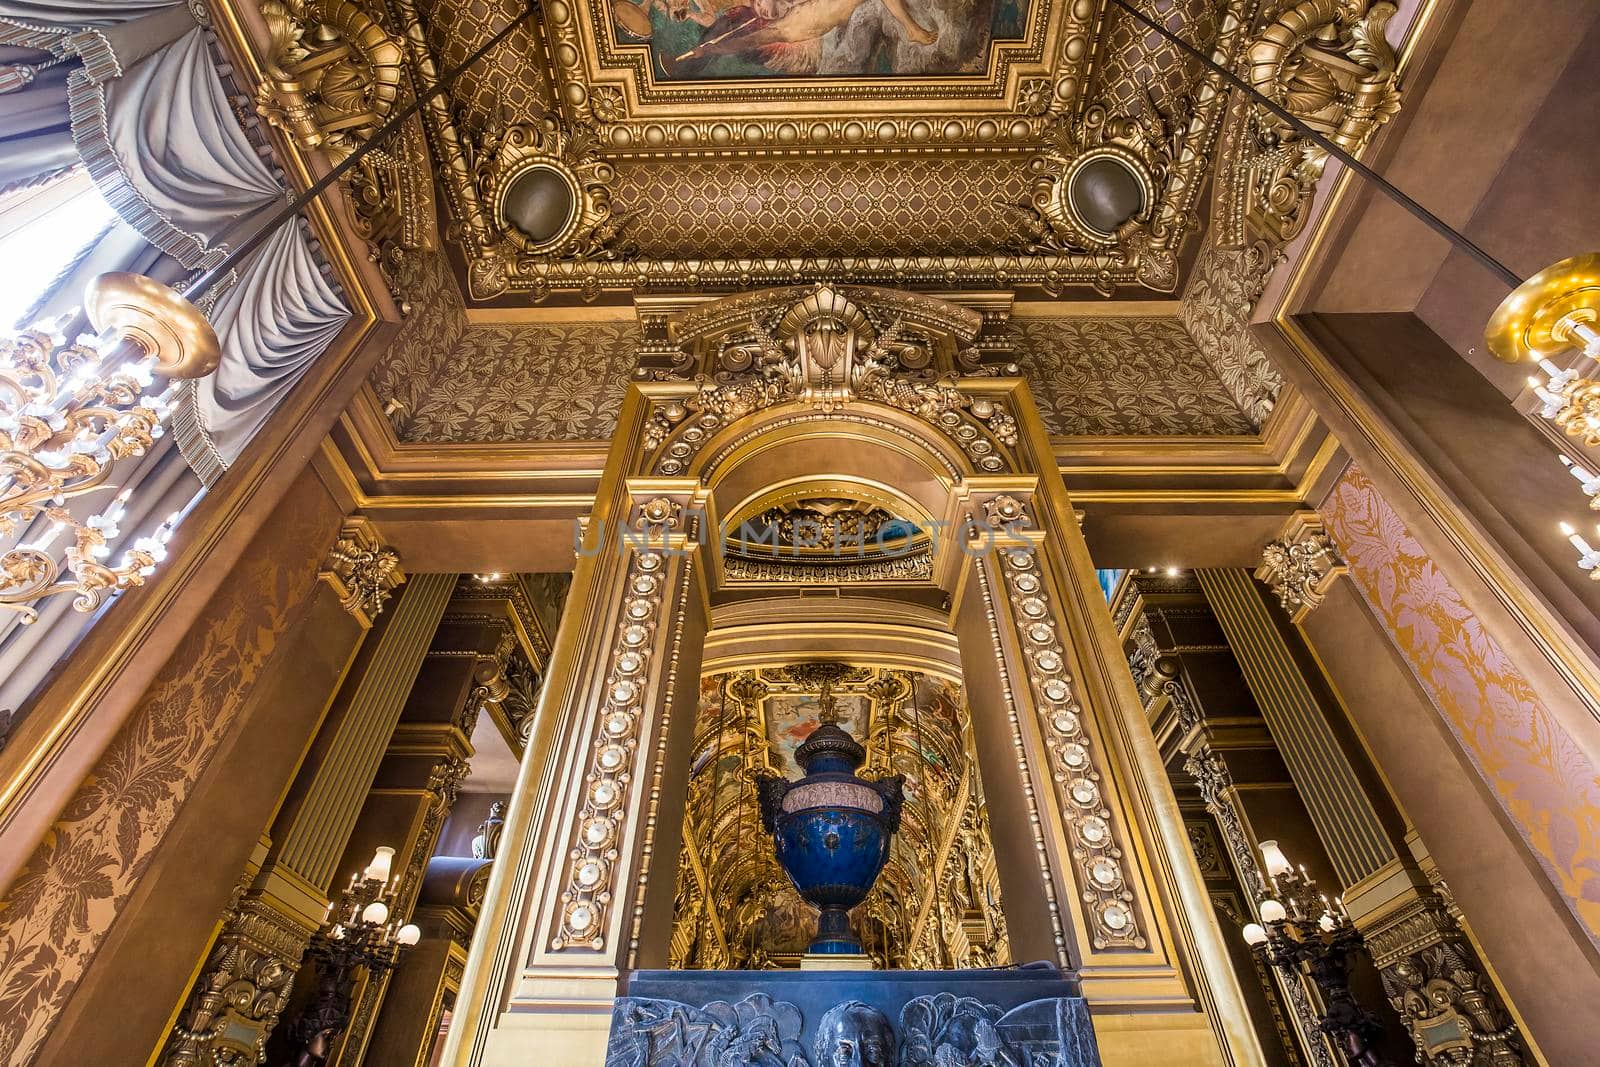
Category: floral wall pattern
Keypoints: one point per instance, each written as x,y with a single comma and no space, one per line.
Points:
73,889
1540,776
1118,376
445,380
432,328
1222,292
535,382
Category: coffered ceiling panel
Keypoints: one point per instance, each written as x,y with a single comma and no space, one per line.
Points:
619,146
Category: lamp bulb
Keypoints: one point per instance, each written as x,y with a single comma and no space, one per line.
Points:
1255,934
409,935
375,913
1272,911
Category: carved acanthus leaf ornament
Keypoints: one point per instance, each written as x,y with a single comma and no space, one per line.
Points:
332,75
1329,65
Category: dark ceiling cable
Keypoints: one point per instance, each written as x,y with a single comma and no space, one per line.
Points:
1422,214
204,282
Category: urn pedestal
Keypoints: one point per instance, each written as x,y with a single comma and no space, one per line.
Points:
831,831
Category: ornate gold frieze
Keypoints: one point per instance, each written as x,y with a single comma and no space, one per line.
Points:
751,181
362,570
827,347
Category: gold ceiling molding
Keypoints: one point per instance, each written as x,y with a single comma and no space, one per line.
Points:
616,86
331,75
658,183
1328,63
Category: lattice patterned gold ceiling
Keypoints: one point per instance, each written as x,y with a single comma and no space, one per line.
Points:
614,146
609,147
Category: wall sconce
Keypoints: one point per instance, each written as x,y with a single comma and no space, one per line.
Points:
1302,934
357,934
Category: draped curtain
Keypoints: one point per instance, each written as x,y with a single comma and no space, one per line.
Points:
129,89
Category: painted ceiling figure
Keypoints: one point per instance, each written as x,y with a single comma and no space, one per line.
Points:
813,37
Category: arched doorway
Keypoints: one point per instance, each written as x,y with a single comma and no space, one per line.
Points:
833,403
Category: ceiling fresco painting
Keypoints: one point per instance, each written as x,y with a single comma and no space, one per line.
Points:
727,39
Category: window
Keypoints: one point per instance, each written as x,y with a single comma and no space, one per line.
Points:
43,232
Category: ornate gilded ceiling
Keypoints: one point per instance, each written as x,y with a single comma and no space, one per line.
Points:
615,147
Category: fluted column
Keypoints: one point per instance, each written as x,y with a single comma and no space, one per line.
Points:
237,1000
1416,935
418,779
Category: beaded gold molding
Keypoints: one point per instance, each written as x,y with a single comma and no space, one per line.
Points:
1107,898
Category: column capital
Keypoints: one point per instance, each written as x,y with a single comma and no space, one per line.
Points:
1301,564
362,570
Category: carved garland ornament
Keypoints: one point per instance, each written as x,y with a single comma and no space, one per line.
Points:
362,571
1105,892
1300,567
1139,147
556,166
586,901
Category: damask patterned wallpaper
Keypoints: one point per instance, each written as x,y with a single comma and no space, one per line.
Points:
1222,292
1118,376
63,904
546,382
406,372
463,383
1540,775
448,381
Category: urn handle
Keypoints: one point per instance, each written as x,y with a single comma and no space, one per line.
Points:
770,791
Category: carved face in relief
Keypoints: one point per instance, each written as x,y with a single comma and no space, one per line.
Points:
854,1034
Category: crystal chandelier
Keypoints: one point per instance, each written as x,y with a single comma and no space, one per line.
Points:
1552,313
73,413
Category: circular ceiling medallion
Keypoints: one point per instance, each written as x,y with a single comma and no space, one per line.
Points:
539,204
1103,189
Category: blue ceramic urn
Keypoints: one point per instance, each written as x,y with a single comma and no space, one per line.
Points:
831,830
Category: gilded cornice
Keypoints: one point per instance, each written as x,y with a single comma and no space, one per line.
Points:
938,172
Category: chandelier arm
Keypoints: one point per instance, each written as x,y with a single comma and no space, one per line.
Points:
1506,275
206,281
